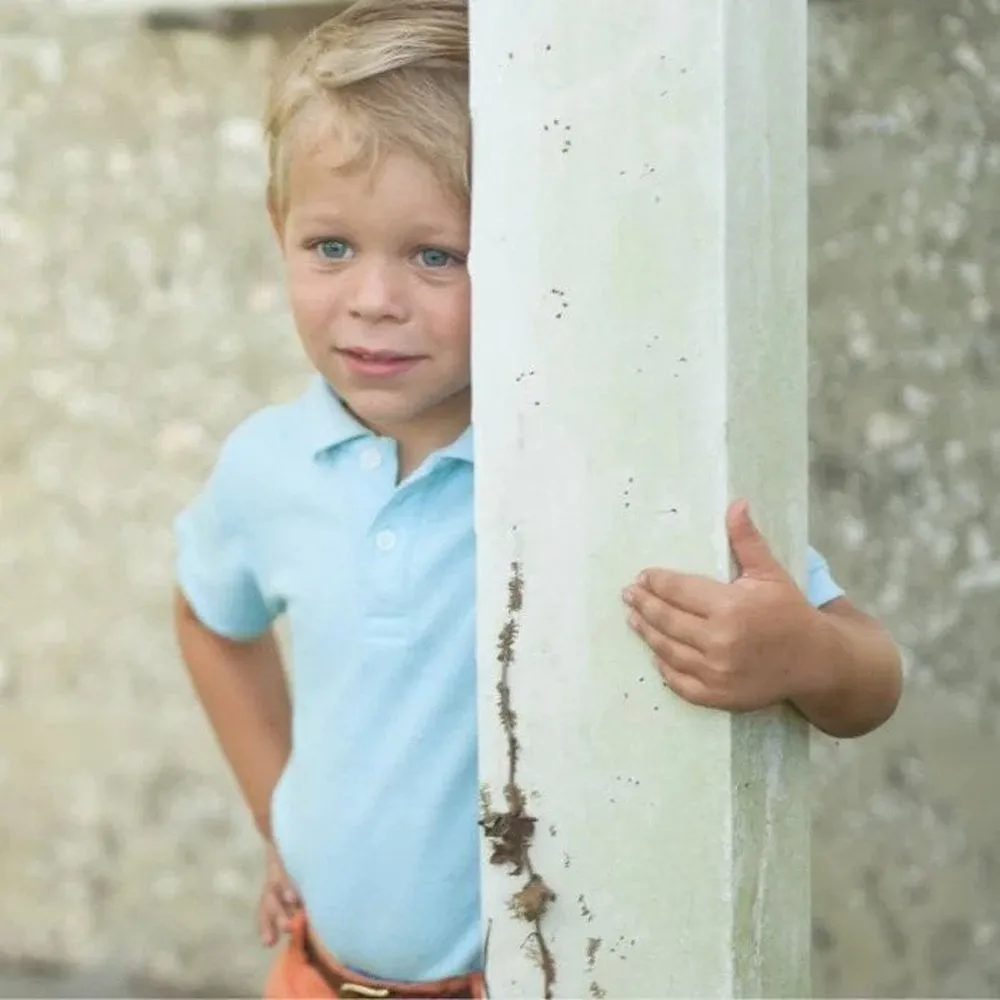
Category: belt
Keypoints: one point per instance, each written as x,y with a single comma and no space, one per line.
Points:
344,983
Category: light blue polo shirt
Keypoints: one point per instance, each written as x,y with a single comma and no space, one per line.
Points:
376,813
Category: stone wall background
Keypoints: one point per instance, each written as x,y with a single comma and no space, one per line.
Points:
141,316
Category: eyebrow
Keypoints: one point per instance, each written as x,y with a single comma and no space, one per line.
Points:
431,233
420,232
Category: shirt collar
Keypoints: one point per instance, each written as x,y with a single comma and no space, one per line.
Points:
462,448
330,425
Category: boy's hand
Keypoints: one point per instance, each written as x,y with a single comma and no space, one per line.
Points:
737,646
278,900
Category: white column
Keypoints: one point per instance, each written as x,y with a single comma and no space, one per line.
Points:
639,270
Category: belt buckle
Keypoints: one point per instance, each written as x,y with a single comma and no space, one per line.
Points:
369,992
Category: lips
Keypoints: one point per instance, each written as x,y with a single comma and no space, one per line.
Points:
377,364
380,356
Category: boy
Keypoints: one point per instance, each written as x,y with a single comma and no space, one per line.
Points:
350,510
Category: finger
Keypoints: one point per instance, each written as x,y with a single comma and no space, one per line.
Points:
700,690
686,686
697,595
750,549
669,620
683,658
289,898
267,925
275,870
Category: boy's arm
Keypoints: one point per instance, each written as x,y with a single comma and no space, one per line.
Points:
850,681
242,687
759,641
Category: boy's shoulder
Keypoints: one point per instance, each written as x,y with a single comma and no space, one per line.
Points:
263,429
264,443
268,426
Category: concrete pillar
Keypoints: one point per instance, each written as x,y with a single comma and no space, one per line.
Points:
639,271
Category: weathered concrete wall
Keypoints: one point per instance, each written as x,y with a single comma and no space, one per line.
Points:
906,447
141,315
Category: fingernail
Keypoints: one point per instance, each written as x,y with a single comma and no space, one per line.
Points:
634,620
643,579
628,595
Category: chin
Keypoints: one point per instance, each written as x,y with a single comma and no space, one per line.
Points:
375,416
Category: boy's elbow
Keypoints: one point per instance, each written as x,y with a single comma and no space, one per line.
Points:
886,663
886,666
875,671
887,688
894,672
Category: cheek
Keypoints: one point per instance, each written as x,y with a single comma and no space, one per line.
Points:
312,298
452,320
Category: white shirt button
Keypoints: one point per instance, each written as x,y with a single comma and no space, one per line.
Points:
385,540
370,459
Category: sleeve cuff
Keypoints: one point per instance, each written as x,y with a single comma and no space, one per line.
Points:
223,597
821,587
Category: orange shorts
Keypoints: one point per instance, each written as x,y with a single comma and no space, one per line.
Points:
303,972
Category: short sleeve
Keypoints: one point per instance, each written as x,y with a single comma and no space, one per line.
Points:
821,588
213,566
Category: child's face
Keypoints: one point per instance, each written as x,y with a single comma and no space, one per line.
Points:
377,278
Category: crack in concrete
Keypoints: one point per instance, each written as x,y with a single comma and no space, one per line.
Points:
593,947
511,833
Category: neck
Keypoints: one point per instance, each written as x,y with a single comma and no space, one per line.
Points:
417,439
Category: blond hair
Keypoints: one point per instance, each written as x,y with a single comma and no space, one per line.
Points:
385,75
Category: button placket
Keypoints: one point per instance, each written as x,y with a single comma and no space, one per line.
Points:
389,542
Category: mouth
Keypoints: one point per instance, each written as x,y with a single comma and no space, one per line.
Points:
377,363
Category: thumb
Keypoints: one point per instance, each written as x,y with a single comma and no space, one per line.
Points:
750,549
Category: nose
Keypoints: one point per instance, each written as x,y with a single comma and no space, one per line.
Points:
377,290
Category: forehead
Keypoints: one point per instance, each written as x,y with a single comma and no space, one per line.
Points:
347,170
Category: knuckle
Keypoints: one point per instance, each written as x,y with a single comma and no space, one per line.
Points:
726,639
662,646
696,667
666,616
641,627
647,603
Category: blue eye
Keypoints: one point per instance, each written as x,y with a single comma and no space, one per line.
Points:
333,249
433,258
